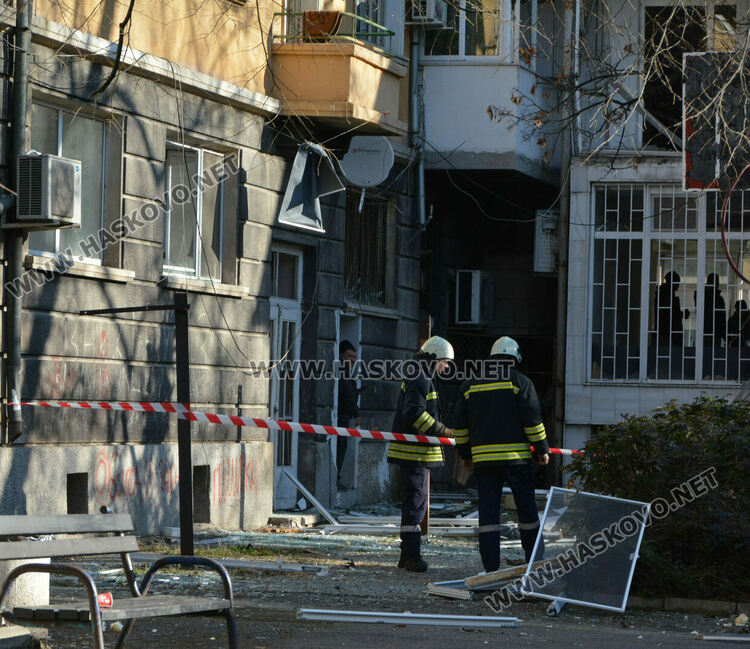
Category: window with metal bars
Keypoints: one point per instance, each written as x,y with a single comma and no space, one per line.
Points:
665,305
367,250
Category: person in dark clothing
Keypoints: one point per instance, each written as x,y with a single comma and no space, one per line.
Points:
348,410
737,325
496,423
418,413
714,328
669,313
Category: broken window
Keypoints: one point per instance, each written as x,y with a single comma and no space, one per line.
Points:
688,318
195,212
671,31
598,538
367,250
503,28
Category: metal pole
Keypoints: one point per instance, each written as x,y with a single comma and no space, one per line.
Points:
182,360
562,266
416,127
14,238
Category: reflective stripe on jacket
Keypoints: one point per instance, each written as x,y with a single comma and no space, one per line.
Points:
496,422
417,413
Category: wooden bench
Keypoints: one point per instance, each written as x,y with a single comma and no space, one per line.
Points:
93,535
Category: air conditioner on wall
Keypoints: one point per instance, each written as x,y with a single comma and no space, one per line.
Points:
49,192
430,14
546,242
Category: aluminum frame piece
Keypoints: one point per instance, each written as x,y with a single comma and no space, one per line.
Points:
596,570
375,617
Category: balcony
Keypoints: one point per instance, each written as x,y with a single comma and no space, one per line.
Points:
336,67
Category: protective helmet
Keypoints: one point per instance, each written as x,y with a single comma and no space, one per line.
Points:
507,347
438,347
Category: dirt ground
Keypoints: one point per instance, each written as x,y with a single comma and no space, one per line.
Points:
363,576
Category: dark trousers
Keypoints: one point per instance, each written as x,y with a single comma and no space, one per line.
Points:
490,482
342,444
415,484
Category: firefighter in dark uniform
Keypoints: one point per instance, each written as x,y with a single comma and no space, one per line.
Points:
418,412
497,420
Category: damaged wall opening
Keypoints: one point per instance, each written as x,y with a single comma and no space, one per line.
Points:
78,493
201,497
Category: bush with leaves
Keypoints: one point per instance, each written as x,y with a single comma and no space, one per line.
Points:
702,549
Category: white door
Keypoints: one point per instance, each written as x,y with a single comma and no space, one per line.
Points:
286,320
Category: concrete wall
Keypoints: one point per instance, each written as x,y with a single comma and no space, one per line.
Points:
458,126
141,480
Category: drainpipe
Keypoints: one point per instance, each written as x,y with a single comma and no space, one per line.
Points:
563,230
15,238
416,127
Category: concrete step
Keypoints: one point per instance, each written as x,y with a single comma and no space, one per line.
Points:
16,637
295,520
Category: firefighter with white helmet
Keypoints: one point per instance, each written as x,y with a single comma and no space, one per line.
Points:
497,420
418,412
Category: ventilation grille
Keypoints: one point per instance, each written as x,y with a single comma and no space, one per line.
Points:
29,188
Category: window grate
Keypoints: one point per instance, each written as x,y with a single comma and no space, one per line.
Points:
366,249
665,305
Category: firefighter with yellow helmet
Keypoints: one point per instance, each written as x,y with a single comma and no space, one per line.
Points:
418,412
497,420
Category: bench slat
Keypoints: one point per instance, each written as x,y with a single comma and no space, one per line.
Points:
67,547
124,608
64,524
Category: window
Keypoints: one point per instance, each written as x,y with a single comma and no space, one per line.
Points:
670,31
193,240
504,28
80,137
368,250
665,304
285,275
374,11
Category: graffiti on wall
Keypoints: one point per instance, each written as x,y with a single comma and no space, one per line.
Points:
229,476
151,479
146,480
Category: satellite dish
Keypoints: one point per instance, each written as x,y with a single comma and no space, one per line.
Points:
368,161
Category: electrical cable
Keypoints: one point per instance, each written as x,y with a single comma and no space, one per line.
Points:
724,240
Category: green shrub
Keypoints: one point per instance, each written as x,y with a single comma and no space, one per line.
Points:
703,548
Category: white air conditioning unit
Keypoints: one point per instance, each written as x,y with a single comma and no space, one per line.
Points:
468,296
49,191
546,242
430,14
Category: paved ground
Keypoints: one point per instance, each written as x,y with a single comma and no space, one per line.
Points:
363,576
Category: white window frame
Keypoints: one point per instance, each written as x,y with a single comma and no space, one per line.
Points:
701,235
59,111
184,271
508,38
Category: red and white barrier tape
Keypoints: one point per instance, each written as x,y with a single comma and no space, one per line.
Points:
184,411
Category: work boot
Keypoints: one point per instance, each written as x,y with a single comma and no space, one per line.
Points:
415,564
409,547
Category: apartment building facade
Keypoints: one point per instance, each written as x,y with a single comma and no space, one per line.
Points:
655,312
224,93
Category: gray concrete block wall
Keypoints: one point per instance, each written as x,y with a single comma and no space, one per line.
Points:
131,357
142,480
